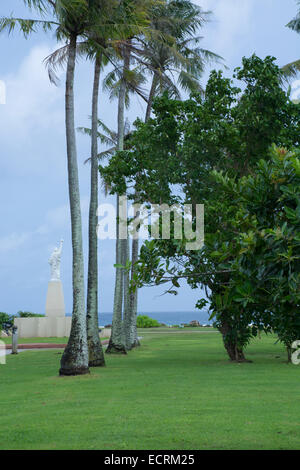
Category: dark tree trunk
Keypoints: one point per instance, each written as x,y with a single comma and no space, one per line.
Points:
235,352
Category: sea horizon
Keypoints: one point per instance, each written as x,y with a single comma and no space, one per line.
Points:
168,317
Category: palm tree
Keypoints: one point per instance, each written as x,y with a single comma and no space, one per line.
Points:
292,69
167,49
117,340
74,18
96,356
177,52
111,46
177,62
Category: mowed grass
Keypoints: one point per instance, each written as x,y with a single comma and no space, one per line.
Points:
53,339
174,392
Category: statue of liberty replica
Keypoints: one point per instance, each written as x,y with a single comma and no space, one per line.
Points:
55,305
54,261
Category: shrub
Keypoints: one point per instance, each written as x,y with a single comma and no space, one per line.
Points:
143,321
29,315
5,318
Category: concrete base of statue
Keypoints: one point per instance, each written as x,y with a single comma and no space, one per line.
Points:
55,304
44,327
54,324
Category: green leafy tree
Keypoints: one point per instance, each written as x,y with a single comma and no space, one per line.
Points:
186,141
266,269
170,48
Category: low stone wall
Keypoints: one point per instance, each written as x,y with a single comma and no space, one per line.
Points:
44,327
47,327
105,333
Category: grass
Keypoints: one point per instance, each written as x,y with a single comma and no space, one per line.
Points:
64,340
167,330
53,339
177,391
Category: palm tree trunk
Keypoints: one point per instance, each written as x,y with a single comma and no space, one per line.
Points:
75,357
116,343
128,321
96,356
155,81
117,340
133,296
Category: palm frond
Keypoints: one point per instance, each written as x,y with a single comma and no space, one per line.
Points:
189,83
25,26
41,6
104,139
290,71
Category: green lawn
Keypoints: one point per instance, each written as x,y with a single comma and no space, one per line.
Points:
174,392
37,340
53,339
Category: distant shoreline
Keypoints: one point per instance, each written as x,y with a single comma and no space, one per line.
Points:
168,318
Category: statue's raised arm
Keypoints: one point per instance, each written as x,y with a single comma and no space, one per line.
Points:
54,262
60,246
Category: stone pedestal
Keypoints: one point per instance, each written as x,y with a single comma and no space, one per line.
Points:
55,304
54,324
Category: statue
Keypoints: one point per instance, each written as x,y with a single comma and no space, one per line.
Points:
54,262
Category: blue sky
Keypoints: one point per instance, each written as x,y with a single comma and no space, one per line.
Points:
33,179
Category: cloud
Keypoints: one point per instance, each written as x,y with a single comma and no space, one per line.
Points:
32,120
56,220
13,242
230,22
31,100
59,218
2,92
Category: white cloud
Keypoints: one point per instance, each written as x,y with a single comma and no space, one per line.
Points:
56,221
31,100
230,22
59,218
2,92
13,241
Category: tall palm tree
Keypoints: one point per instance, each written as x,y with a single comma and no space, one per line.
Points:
117,340
96,356
100,48
132,14
72,20
140,13
177,53
131,81
171,47
100,51
178,62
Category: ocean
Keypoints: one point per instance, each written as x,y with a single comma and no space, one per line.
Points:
169,318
